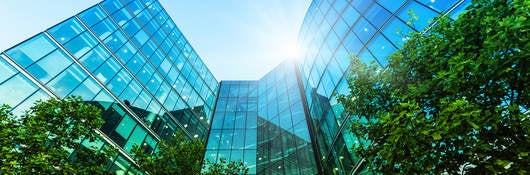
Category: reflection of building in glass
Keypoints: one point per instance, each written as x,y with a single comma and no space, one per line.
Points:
129,58
334,29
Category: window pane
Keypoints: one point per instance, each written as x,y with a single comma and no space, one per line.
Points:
92,15
67,81
50,66
104,28
16,89
136,138
7,70
81,44
31,50
67,30
126,126
95,58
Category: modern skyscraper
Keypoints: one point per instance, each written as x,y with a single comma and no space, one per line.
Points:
332,31
129,58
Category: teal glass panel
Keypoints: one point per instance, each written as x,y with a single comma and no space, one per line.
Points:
136,138
32,50
126,126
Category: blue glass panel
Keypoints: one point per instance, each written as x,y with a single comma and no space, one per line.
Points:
115,41
461,8
361,5
391,5
7,70
366,57
94,58
377,15
81,44
30,51
381,48
438,5
131,28
122,16
352,44
119,82
66,30
111,6
131,92
104,28
107,70
364,30
50,66
126,52
92,15
65,82
136,7
397,32
136,63
16,89
87,90
29,102
424,15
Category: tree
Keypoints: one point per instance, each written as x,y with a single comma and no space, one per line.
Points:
179,155
455,99
39,140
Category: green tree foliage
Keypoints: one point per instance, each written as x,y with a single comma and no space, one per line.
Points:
182,156
453,100
39,140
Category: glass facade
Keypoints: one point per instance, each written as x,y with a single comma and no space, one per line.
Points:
263,124
126,57
332,31
129,58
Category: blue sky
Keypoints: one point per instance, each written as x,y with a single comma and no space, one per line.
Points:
237,39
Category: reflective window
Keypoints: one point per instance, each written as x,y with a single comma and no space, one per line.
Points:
92,15
361,5
125,127
94,58
115,41
7,70
377,15
104,28
81,44
381,48
50,66
422,15
16,89
364,30
122,16
68,80
111,6
31,50
438,5
136,138
391,5
397,32
66,30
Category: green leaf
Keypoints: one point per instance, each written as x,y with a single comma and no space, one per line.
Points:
436,136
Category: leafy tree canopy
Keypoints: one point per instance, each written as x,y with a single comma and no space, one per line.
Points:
182,156
454,99
42,140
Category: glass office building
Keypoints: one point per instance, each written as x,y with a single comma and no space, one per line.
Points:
332,31
126,57
129,58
